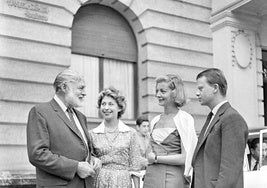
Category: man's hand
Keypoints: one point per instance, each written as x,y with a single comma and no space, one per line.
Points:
85,169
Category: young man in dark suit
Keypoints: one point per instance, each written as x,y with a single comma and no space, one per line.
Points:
219,154
57,138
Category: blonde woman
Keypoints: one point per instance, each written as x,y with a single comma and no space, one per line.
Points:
173,137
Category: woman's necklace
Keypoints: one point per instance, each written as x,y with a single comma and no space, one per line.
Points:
111,130
111,135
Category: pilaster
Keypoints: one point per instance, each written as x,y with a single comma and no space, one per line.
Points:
234,52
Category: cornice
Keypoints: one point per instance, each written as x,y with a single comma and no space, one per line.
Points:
230,7
237,20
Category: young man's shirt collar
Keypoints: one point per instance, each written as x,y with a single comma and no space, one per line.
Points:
216,108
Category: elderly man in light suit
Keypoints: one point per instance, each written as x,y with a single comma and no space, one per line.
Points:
57,138
219,154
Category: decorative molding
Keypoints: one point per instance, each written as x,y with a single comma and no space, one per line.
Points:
230,7
242,50
237,20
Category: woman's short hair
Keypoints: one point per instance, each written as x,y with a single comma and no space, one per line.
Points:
66,76
175,83
215,76
115,94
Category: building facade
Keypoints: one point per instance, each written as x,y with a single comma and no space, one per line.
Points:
127,44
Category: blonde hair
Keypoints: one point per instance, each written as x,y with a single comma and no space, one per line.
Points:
175,83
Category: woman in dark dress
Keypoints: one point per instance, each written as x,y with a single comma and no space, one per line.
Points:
173,137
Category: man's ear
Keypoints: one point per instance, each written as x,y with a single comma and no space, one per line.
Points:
216,88
64,87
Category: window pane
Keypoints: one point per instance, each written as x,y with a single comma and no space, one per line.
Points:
89,68
120,74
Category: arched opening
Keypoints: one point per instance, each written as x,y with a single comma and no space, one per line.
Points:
104,50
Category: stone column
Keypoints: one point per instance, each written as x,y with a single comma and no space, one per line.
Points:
235,52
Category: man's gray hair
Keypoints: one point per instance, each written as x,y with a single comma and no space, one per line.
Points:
66,76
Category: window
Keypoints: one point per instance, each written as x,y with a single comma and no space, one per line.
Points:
89,68
104,50
100,73
120,74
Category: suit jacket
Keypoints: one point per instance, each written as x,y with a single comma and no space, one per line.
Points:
219,155
55,146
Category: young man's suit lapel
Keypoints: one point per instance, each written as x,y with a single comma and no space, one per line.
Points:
214,121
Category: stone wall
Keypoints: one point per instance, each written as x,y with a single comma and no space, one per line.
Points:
34,47
173,36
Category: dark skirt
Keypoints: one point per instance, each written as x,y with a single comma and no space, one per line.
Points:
164,176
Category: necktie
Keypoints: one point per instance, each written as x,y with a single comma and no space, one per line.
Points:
205,127
70,113
256,166
81,134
